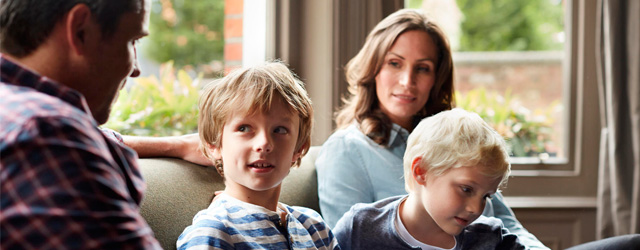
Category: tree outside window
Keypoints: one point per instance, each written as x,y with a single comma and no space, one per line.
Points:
186,42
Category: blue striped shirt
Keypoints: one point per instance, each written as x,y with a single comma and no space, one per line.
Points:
229,223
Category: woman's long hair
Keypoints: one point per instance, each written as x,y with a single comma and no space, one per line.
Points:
362,105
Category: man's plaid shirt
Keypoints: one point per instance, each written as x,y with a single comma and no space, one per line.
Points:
65,184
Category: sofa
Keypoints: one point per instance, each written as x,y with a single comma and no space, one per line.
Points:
177,190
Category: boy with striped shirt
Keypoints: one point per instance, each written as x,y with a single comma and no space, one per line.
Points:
255,124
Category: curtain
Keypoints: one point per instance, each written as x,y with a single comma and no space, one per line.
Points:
352,22
618,58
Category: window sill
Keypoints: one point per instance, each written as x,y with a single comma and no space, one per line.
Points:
551,202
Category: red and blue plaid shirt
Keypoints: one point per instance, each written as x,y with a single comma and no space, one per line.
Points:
65,184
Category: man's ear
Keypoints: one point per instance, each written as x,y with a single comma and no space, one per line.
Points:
79,26
419,174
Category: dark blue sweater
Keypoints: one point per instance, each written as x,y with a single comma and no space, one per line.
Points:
371,226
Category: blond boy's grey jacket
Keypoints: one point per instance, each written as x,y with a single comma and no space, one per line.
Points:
371,226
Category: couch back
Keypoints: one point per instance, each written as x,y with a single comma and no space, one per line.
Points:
177,190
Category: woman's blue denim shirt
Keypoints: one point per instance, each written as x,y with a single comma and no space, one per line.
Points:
352,169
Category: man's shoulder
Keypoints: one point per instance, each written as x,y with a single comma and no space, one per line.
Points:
34,124
19,96
46,126
22,106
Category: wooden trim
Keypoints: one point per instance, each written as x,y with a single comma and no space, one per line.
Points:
578,177
559,228
550,202
287,32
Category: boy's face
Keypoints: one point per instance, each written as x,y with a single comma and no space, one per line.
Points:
457,197
257,150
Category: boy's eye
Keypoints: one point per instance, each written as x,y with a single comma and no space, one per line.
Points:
466,189
243,128
281,130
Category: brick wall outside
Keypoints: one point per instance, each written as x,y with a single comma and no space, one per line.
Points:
233,14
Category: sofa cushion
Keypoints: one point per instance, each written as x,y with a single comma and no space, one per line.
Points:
177,190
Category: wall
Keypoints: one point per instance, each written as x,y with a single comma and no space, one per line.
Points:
233,16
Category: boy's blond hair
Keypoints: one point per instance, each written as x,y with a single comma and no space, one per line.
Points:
456,138
248,91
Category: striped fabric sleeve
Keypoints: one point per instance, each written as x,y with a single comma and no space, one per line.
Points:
315,226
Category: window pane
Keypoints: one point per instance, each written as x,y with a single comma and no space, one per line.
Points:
509,66
185,45
189,33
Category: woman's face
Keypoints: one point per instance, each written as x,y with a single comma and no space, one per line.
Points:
407,76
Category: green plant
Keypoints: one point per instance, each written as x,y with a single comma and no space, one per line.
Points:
527,134
508,25
158,107
187,32
511,25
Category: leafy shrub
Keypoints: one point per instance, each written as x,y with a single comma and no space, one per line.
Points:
528,135
158,107
187,32
531,25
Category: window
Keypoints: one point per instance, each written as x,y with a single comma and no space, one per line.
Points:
190,43
321,36
186,44
509,58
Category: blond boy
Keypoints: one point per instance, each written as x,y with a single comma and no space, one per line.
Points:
255,125
453,163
